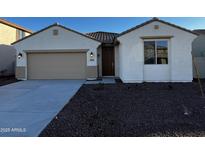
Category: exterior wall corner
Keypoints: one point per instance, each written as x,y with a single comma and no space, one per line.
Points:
91,72
20,72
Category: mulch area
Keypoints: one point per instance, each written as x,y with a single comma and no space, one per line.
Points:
7,80
147,109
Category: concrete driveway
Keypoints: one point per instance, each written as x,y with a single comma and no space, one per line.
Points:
27,107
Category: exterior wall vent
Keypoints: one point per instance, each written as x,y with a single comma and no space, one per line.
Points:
55,32
156,27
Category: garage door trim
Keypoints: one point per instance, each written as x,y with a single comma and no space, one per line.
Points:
57,51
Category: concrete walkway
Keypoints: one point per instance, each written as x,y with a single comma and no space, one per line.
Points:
27,107
103,81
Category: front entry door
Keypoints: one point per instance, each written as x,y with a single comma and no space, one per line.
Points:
108,64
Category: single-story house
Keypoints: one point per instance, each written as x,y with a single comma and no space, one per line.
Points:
154,51
198,51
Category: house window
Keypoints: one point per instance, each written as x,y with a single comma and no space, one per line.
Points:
156,52
20,34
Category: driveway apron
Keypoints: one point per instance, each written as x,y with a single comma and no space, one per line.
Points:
26,107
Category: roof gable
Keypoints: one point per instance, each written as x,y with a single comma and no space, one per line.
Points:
158,20
56,24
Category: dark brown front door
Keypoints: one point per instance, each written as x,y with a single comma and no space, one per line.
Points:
108,64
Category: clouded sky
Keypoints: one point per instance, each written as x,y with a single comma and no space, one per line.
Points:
113,24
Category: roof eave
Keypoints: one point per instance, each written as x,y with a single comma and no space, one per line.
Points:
3,21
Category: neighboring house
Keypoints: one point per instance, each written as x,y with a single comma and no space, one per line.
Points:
155,51
198,51
9,33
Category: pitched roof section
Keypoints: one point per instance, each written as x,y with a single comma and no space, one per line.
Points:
199,31
55,24
156,19
108,37
3,21
104,37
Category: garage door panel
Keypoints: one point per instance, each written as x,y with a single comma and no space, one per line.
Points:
56,65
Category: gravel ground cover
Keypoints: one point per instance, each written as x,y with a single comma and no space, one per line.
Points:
7,80
122,110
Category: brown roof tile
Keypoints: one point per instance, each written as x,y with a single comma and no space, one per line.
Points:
104,37
199,31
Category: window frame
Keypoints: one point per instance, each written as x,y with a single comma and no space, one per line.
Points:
20,34
155,40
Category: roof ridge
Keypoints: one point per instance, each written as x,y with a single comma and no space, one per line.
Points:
104,37
102,32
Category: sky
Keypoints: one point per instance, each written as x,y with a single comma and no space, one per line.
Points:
108,24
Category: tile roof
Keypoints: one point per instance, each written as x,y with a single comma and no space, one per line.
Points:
199,31
3,21
104,37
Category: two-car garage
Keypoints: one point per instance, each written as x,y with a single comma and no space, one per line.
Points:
56,65
56,52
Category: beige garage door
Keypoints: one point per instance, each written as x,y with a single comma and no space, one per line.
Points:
56,65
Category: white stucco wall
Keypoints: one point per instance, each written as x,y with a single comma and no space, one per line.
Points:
65,39
131,54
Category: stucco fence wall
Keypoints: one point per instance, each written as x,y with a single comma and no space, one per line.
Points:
7,60
200,64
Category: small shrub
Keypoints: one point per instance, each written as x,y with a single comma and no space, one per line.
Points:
99,86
